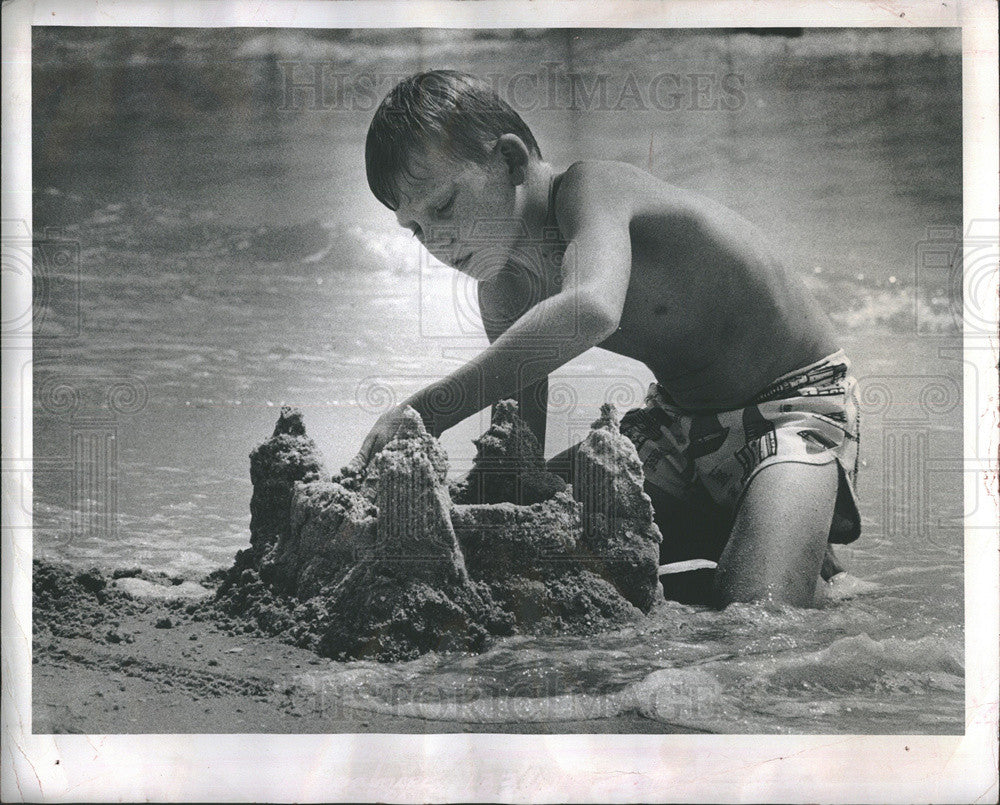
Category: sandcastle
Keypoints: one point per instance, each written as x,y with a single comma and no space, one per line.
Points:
391,561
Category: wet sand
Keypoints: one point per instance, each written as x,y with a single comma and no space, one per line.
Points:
109,668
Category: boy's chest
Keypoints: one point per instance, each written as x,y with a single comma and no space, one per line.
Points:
661,326
674,319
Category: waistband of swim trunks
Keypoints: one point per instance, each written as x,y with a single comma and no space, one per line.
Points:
774,390
801,376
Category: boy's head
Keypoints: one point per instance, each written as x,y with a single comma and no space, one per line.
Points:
454,112
443,151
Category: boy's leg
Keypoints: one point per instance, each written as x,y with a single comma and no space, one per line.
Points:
698,529
779,539
694,527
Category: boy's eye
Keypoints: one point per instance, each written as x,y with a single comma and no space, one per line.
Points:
444,208
416,231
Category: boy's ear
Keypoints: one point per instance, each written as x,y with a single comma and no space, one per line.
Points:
515,155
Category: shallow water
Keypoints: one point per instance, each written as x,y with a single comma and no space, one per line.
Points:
225,257
748,669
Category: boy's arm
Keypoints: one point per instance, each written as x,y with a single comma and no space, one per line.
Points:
593,212
532,399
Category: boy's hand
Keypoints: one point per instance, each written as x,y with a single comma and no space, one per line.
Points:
379,436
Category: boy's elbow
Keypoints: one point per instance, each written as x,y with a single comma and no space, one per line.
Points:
597,317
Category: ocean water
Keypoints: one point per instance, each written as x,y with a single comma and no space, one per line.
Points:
204,252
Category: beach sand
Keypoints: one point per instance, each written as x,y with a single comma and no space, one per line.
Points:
129,675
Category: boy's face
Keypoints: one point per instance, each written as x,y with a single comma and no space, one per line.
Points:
464,212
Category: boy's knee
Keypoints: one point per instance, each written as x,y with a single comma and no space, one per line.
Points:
778,544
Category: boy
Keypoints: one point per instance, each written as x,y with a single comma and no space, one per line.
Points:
749,435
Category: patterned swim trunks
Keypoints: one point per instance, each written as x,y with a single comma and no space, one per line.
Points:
809,416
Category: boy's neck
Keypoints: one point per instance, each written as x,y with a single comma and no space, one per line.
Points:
532,209
534,202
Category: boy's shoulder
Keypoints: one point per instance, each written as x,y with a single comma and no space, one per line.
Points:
605,187
593,174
